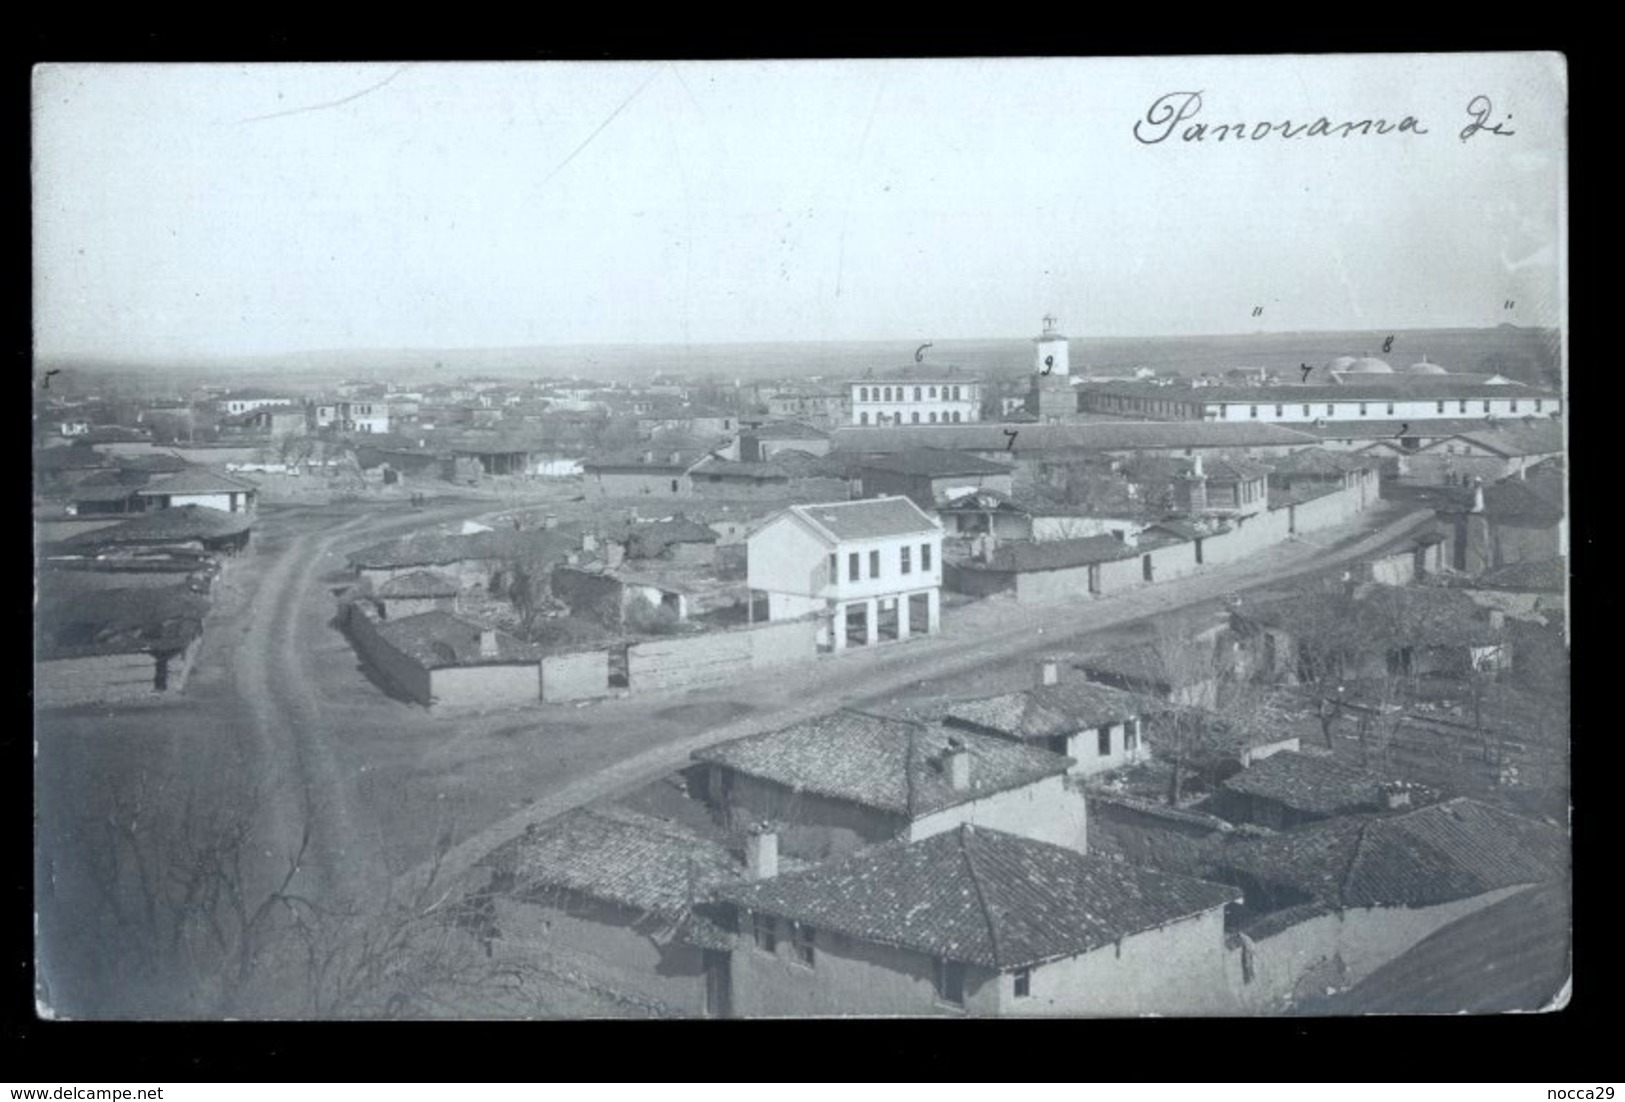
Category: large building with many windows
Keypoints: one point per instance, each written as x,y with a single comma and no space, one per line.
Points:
937,399
1366,389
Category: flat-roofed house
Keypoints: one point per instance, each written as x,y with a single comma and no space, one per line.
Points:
874,567
848,779
976,921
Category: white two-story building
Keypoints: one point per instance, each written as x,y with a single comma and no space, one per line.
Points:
941,400
873,567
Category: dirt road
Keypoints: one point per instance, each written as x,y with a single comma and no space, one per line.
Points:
989,633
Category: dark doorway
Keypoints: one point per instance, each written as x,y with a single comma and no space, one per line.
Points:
1145,568
620,667
718,984
919,613
160,675
1198,552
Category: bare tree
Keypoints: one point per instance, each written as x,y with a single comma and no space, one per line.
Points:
1204,715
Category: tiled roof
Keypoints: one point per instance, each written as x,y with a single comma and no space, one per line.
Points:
1302,782
647,540
875,518
1216,468
419,583
1023,557
1353,388
1443,852
1047,710
1544,575
982,897
107,486
935,463
1432,428
74,457
618,856
187,522
438,548
1085,436
788,430
893,765
1318,461
1515,500
642,460
198,480
743,470
1536,436
109,621
438,640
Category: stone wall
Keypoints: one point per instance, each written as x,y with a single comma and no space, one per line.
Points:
719,656
401,671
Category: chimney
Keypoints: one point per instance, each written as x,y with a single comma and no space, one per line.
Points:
589,542
1478,496
956,763
614,554
488,643
762,852
1049,671
1196,468
550,521
984,547
1396,797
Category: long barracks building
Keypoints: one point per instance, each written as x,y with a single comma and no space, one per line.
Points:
1368,390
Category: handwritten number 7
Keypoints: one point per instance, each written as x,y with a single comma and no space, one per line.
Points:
1012,434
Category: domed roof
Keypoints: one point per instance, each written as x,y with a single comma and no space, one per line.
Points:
1368,365
1425,368
1342,363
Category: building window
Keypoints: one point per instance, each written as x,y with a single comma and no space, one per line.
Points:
1537,405
674,485
1024,983
1331,410
863,394
956,417
956,394
1252,411
801,939
1486,405
1390,409
1306,411
915,417
1362,409
1224,412
1463,408
933,392
1104,741
933,417
834,568
852,571
767,933
925,557
863,418
874,563
916,394
950,982
1131,735
903,558
1514,405
1279,411
1450,449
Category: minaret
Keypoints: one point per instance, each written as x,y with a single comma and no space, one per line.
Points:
1052,397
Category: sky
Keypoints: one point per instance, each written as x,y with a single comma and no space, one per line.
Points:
239,210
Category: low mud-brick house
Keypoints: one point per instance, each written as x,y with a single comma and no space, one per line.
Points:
113,645
1095,725
976,921
619,896
1330,902
849,779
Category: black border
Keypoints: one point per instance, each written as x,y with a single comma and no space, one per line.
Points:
1507,1048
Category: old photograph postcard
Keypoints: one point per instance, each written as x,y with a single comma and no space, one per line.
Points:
1052,537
